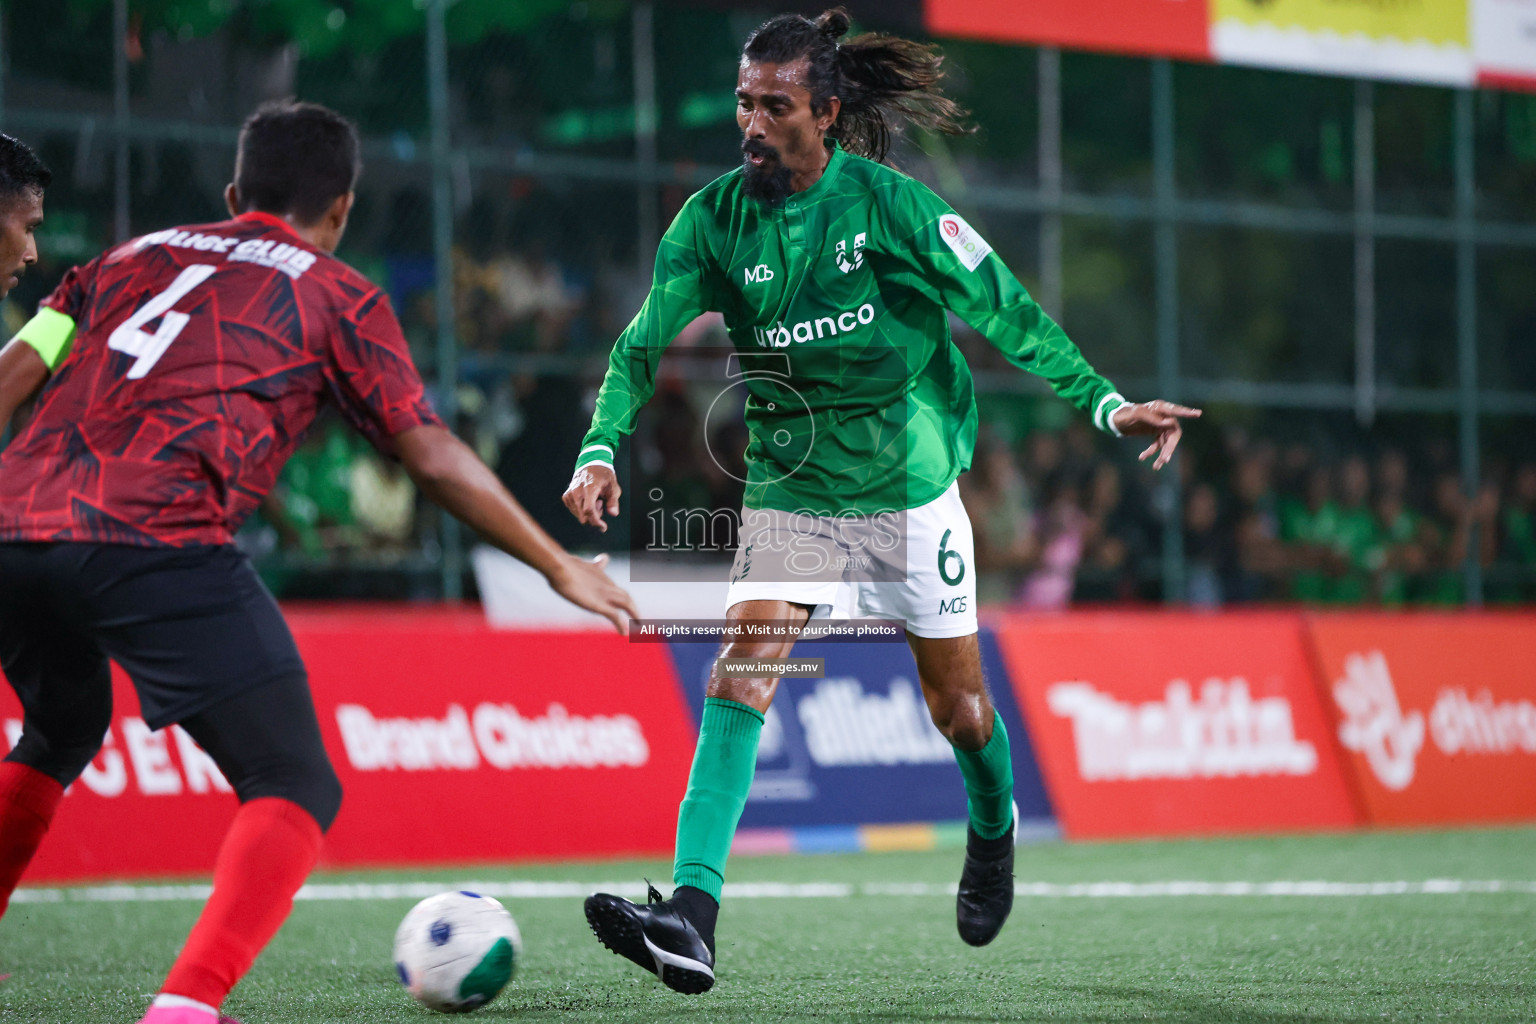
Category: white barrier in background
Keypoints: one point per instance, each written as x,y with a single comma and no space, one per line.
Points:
516,596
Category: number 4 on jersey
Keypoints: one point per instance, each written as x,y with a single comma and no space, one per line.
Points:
132,339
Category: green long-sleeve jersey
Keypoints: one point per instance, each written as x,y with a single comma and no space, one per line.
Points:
857,400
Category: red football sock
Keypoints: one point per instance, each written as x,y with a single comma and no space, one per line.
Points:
28,800
269,851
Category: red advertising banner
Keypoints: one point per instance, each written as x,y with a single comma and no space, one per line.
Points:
1162,28
454,742
1436,713
1150,724
151,802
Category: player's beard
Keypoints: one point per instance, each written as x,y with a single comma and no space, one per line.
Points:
768,183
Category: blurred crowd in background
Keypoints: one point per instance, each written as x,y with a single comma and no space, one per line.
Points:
1061,520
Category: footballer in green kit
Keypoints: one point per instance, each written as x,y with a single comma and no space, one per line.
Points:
835,274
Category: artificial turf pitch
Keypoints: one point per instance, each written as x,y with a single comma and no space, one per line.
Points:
853,956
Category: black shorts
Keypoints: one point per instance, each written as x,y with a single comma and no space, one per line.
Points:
191,626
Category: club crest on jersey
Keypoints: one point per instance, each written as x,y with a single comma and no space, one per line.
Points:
849,262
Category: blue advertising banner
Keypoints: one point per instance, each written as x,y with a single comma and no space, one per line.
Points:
857,747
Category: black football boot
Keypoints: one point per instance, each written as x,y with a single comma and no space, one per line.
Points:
986,885
657,936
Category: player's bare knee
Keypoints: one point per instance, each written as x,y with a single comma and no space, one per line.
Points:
963,723
757,649
755,691
969,734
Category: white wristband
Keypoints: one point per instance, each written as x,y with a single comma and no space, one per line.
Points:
1104,415
595,455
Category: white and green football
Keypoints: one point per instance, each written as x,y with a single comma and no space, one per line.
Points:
456,950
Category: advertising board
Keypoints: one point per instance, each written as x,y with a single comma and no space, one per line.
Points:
458,743
1444,42
1425,41
1504,43
1168,28
857,746
1436,713
1176,724
454,743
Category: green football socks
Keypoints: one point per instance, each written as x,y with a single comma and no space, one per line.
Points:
988,775
723,765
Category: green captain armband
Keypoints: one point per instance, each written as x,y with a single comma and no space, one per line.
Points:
51,334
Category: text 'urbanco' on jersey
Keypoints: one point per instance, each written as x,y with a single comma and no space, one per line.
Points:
200,357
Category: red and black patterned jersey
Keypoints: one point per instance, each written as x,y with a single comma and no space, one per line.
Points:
201,357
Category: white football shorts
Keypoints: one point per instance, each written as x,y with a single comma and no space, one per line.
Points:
915,566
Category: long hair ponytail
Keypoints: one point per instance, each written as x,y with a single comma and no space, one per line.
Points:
884,82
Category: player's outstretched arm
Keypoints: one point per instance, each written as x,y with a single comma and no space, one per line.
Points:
449,472
1155,417
22,374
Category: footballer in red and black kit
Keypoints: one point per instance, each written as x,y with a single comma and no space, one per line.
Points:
201,357
171,378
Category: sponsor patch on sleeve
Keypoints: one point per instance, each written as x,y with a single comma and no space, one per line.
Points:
963,239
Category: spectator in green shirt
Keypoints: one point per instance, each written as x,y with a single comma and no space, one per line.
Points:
1308,527
313,509
1355,539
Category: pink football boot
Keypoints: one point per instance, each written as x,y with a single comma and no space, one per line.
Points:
182,1015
